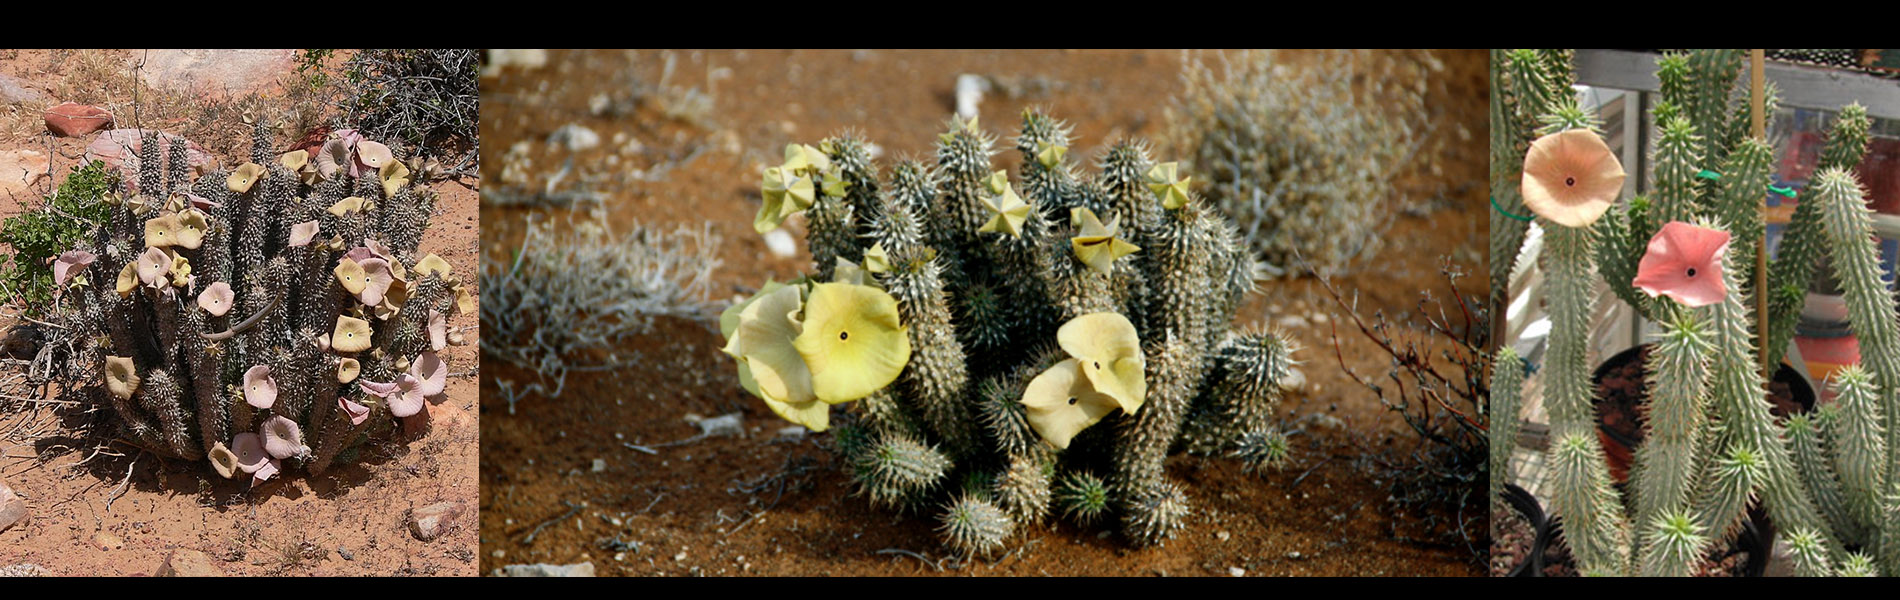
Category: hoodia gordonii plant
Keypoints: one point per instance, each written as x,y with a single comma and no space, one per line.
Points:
1711,447
1016,348
278,311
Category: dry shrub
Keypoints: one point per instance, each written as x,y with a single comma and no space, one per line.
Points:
574,290
1303,150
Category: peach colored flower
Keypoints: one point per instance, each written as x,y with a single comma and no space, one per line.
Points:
1684,262
1571,177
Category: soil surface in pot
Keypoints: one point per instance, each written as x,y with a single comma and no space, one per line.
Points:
1512,537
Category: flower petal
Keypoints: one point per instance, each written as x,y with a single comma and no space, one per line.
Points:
260,389
852,341
764,339
1108,351
1061,403
1571,177
1684,262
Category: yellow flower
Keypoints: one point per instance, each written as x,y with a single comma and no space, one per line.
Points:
1097,245
1061,403
1109,355
853,341
1008,210
785,193
760,334
1166,181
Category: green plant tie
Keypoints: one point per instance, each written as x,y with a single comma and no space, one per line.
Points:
1494,204
1784,191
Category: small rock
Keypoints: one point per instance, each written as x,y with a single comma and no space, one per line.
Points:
1222,536
20,171
215,72
970,90
106,541
1294,379
522,59
792,434
73,119
1292,321
585,569
600,465
345,553
575,137
1295,555
430,522
189,563
780,243
13,91
1325,421
598,104
726,424
1236,572
12,508
23,570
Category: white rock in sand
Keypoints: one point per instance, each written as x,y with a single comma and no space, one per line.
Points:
780,243
575,137
970,90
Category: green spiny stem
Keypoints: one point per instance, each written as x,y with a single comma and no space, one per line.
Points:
1022,491
1677,163
896,469
162,397
1714,74
1859,565
1741,405
1507,391
1047,187
1672,544
1676,430
1142,441
936,380
1262,451
1848,231
1153,515
1181,255
831,235
1737,203
1124,171
1582,497
1619,249
963,162
1507,234
1244,379
1581,493
1809,557
974,526
1801,243
1082,496
1858,443
1733,480
1813,459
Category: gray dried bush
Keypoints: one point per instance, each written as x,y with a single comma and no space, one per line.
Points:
1302,157
574,290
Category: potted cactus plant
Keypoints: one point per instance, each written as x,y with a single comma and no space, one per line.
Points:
1011,349
259,318
1682,258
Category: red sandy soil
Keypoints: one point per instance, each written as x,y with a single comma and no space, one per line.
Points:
120,512
755,505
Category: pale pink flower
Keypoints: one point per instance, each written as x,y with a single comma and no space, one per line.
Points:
1571,177
1684,262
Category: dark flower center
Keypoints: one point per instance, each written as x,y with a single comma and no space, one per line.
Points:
1692,271
845,335
1071,400
1570,181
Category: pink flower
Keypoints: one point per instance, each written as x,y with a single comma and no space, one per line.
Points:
1684,262
1571,177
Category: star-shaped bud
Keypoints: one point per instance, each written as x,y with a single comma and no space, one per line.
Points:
1008,211
1165,179
1096,245
1051,155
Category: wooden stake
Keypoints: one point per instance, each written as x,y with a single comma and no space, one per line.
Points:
1759,129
